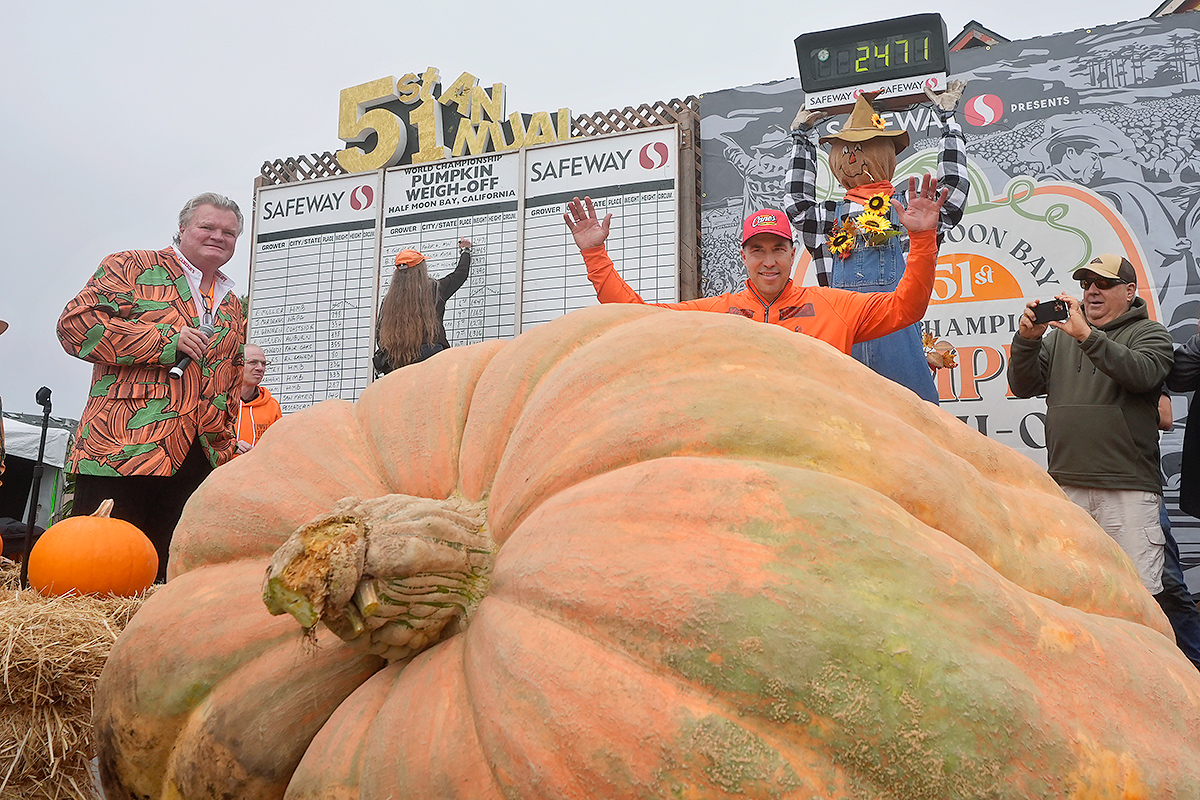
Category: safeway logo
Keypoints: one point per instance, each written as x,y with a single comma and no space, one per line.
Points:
654,155
984,110
361,197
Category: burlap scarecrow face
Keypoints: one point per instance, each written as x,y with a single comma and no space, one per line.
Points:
864,151
859,163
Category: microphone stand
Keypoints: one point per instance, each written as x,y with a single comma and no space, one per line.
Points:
43,399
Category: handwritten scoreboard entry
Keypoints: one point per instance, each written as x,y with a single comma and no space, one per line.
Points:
312,286
631,176
429,207
324,250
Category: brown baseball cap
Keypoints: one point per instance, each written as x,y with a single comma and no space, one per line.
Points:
1109,266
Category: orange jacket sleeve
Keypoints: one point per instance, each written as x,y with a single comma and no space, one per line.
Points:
885,312
612,288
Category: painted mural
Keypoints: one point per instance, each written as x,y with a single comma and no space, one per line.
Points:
1079,143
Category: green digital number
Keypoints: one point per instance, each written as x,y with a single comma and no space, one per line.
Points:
866,56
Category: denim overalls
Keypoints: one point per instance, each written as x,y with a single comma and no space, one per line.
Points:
899,356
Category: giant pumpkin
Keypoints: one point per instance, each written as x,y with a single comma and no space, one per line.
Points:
677,555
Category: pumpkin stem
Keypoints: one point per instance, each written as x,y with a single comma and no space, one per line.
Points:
104,510
393,574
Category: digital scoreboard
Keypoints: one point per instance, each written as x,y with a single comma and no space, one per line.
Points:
898,58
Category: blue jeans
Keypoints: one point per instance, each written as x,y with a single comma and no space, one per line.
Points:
898,356
1176,601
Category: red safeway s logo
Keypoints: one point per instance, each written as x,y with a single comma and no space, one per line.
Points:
983,110
654,155
361,197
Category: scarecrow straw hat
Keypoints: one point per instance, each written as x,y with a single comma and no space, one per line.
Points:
865,123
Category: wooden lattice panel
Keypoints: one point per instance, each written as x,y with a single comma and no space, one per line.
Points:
631,119
300,168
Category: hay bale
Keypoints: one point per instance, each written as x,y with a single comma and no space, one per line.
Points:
52,650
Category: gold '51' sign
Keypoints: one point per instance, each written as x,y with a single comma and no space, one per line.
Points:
387,122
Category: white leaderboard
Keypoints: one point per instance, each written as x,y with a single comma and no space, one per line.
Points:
429,208
324,250
312,287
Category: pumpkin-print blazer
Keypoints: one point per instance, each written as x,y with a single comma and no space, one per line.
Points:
138,420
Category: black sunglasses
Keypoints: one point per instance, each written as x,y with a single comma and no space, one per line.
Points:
1102,283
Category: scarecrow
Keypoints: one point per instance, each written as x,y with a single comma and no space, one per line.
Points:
856,243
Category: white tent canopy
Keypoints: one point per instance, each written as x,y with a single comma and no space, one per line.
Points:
21,439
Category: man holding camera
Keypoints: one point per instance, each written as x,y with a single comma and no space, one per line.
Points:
1101,369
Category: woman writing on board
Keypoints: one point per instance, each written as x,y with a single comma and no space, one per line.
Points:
410,327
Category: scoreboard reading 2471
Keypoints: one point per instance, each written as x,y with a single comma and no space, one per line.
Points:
898,58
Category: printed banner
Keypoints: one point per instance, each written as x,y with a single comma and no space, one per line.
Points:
1079,144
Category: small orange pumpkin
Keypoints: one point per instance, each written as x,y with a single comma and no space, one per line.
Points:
93,555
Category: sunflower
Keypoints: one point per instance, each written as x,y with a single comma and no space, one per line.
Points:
841,241
878,203
873,224
875,229
878,121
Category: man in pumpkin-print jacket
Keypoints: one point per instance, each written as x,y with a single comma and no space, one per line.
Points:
148,439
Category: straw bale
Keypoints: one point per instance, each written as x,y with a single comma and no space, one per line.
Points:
45,748
52,650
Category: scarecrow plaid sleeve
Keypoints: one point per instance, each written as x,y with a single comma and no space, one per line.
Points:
952,173
814,220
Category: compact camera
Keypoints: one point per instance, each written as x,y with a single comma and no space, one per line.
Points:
1050,311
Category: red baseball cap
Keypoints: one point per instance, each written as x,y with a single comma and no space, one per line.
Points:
767,221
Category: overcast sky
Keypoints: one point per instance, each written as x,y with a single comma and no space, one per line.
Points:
114,114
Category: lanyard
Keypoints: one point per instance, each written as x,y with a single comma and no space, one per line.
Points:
208,300
194,279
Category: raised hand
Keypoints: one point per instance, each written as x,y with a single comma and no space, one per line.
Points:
805,119
588,230
924,206
947,100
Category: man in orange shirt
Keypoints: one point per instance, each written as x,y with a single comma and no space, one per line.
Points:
259,410
836,316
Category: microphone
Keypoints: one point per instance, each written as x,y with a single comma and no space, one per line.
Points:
182,364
